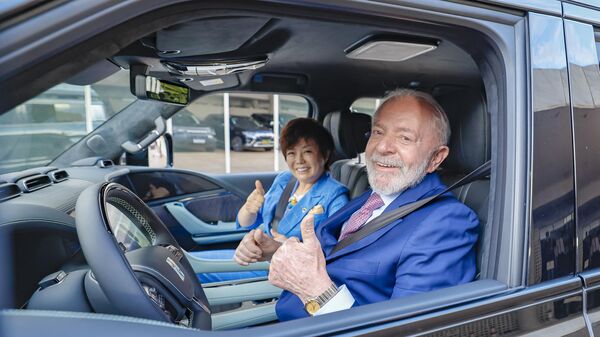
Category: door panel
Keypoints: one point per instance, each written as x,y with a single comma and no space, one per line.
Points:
199,210
553,308
202,230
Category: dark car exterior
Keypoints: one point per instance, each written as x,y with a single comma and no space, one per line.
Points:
244,132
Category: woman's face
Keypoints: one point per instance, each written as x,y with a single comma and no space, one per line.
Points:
305,161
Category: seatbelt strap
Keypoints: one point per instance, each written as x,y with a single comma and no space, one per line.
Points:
388,217
283,202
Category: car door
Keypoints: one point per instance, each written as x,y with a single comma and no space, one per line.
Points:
582,31
198,209
550,301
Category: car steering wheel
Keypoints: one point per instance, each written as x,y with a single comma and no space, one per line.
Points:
136,261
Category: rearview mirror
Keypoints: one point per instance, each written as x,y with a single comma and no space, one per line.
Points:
149,87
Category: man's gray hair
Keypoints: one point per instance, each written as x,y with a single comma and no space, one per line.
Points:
440,119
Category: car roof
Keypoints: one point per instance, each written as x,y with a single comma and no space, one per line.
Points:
305,56
306,53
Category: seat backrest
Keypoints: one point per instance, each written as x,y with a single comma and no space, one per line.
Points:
349,131
352,174
469,148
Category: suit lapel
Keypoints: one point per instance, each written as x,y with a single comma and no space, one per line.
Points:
430,185
328,231
312,198
297,213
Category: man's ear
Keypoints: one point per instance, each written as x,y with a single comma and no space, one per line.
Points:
438,157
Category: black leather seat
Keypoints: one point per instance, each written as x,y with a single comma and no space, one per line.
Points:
349,131
469,149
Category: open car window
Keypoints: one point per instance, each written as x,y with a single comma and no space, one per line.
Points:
199,132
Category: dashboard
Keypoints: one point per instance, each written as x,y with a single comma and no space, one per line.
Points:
37,226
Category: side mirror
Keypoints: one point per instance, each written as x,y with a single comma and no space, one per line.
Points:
169,145
160,153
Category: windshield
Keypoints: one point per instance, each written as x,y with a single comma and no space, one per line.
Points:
35,132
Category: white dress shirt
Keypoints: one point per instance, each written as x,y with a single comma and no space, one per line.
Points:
344,299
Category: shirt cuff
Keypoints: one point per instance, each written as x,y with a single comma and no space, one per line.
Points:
342,300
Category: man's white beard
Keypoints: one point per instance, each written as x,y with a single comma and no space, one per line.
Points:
395,182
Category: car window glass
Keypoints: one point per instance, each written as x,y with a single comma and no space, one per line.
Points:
199,132
35,132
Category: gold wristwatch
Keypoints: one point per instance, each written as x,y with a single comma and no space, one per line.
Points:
313,305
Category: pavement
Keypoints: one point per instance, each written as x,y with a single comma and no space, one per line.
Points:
241,162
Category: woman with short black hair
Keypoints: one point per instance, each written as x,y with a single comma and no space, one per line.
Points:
308,150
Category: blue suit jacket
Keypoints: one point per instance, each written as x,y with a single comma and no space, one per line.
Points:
327,192
431,248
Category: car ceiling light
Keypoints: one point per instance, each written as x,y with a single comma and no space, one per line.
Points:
387,50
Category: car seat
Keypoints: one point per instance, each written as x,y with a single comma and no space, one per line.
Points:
350,134
469,149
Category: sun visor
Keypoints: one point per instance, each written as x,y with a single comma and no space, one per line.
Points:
208,36
93,74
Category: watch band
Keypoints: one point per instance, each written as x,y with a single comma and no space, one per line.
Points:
315,304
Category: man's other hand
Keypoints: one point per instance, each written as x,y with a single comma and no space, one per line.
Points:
256,246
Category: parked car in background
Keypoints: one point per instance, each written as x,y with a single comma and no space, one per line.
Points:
266,119
190,134
245,133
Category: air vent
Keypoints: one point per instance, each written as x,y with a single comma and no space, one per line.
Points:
9,191
58,175
105,163
33,183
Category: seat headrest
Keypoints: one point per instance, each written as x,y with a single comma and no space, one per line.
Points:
470,126
349,131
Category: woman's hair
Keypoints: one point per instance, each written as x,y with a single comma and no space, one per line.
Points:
306,128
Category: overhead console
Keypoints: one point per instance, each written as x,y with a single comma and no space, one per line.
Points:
209,53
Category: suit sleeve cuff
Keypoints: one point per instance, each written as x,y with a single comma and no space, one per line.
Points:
342,300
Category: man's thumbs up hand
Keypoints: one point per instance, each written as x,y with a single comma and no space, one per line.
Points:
300,267
307,228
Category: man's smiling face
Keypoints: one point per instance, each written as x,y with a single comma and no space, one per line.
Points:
404,145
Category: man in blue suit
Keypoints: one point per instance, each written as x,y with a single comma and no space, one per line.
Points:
428,249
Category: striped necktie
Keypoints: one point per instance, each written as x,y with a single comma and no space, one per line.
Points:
361,215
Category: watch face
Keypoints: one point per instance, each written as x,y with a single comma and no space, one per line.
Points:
312,307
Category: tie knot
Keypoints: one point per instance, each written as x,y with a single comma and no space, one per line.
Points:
374,202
